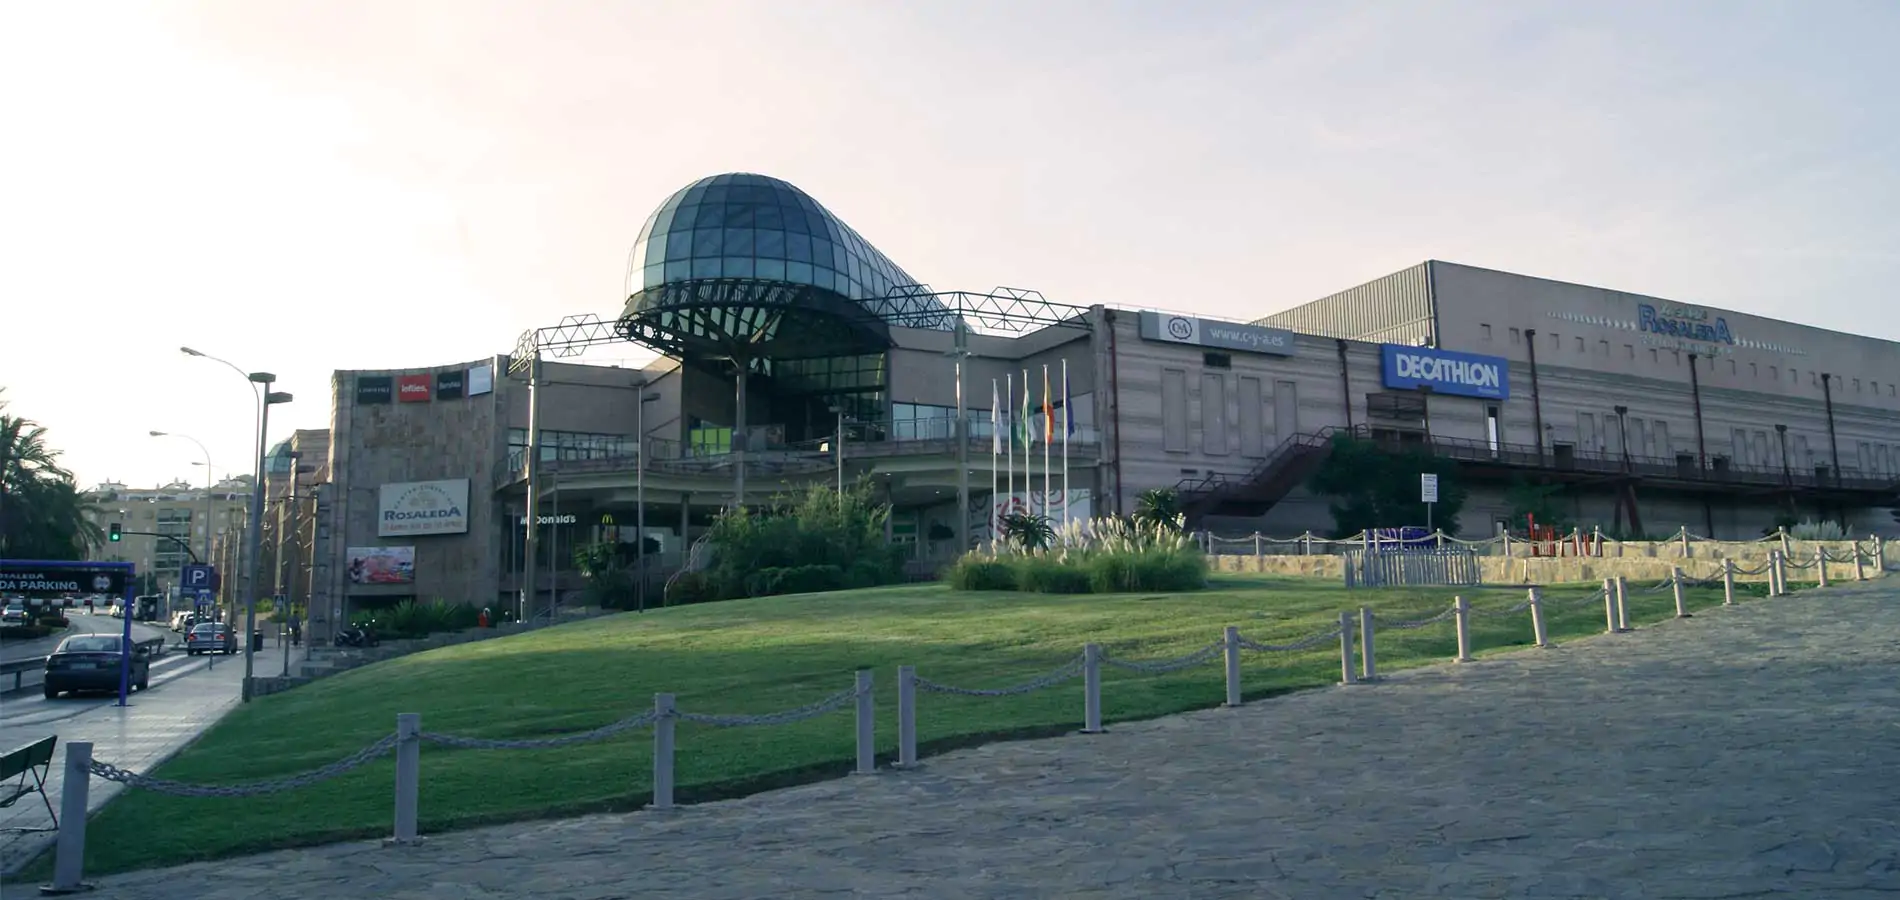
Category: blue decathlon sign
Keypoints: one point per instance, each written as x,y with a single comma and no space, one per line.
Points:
1447,372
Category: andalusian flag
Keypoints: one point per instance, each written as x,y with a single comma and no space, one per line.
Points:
1029,437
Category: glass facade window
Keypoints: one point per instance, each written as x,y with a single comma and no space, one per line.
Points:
741,225
557,445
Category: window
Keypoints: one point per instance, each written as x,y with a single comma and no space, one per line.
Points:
1653,359
1580,345
1753,372
1774,372
1556,341
1214,414
1856,385
1484,333
1629,351
1516,336
1174,410
1603,349
1217,360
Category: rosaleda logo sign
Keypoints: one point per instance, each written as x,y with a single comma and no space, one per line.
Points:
1688,322
1446,372
423,507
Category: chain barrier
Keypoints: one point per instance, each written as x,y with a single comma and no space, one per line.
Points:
1198,657
1761,571
1599,594
1421,623
1068,671
355,760
783,717
1789,563
599,734
1306,643
1497,613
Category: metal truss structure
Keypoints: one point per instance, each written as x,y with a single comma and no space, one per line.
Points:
1002,311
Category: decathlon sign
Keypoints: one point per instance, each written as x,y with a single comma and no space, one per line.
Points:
1447,372
423,507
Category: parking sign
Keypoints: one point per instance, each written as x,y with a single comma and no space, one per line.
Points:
199,577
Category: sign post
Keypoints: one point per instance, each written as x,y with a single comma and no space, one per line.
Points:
1428,493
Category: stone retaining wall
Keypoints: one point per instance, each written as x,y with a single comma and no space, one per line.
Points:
1647,561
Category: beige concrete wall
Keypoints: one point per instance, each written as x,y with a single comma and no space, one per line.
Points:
1638,562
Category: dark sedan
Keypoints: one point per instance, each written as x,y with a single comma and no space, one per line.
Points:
90,662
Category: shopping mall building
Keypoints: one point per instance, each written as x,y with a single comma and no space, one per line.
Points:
780,327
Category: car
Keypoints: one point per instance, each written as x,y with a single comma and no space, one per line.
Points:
90,662
15,614
210,637
183,620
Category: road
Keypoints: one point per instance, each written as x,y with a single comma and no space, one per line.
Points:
82,624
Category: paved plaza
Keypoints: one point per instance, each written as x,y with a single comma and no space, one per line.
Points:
1745,752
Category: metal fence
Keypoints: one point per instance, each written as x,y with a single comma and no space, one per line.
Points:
1354,635
1407,567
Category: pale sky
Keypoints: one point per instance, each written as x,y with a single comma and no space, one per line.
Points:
304,187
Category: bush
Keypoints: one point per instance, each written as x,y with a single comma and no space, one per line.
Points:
690,587
1051,574
823,540
980,572
410,619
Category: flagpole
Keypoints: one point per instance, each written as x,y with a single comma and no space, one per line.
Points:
1048,437
996,446
1029,438
1068,425
1009,392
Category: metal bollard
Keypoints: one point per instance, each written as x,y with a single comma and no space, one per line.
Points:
1091,688
1675,584
906,716
1820,564
1728,582
1230,647
1463,616
1860,567
867,725
1537,619
408,775
69,853
1368,668
1777,573
1609,606
1622,604
1346,674
663,751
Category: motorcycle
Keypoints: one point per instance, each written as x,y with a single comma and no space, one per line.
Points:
364,636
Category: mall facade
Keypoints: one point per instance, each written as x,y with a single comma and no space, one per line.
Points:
781,329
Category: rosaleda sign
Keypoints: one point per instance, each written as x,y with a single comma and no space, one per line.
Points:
1670,320
423,507
1446,372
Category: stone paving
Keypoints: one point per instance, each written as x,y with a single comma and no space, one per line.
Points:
1745,752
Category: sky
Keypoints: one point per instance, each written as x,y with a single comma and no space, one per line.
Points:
302,187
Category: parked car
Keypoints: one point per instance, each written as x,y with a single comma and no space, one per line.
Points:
15,613
210,637
90,662
183,620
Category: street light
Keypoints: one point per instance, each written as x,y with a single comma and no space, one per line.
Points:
266,398
207,464
640,497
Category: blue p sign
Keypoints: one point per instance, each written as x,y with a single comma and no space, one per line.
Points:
199,576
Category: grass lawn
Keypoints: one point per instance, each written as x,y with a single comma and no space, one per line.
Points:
751,656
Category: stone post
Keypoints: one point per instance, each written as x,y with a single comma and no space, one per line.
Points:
906,716
867,725
1463,616
1538,630
1622,604
1675,585
408,775
1860,565
1091,689
1820,563
1368,667
1728,582
1346,674
69,851
663,751
1230,646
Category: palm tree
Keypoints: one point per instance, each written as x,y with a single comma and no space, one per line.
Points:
42,513
1160,508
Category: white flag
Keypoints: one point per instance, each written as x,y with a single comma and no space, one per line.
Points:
996,419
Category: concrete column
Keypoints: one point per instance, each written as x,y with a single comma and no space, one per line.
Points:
663,751
1728,582
1463,617
1622,604
1537,619
1346,674
1368,666
1091,689
906,716
408,775
1820,564
867,725
1675,585
69,851
1609,606
1230,646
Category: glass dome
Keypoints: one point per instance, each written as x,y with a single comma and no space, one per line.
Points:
743,259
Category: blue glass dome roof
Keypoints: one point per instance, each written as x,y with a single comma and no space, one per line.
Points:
742,259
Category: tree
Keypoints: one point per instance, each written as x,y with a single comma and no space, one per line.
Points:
1542,502
42,512
1373,487
1159,508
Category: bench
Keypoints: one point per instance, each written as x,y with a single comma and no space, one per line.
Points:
27,767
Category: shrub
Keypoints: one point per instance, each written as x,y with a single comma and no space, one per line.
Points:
1811,530
1045,574
812,579
690,587
799,545
980,572
410,619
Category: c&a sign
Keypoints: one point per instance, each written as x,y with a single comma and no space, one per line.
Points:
1446,372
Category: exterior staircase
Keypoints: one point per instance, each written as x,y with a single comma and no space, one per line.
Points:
1252,494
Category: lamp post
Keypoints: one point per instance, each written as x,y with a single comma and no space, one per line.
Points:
266,399
285,577
640,496
208,507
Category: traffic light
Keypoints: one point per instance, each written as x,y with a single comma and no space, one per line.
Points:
112,534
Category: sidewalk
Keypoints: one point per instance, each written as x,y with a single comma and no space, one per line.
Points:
187,696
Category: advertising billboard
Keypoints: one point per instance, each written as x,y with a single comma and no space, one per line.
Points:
448,385
1179,329
481,380
374,389
382,565
413,389
423,507
1446,372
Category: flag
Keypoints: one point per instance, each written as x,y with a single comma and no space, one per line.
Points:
996,420
1029,437
1048,411
1068,413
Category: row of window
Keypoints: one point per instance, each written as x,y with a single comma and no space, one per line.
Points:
1659,355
